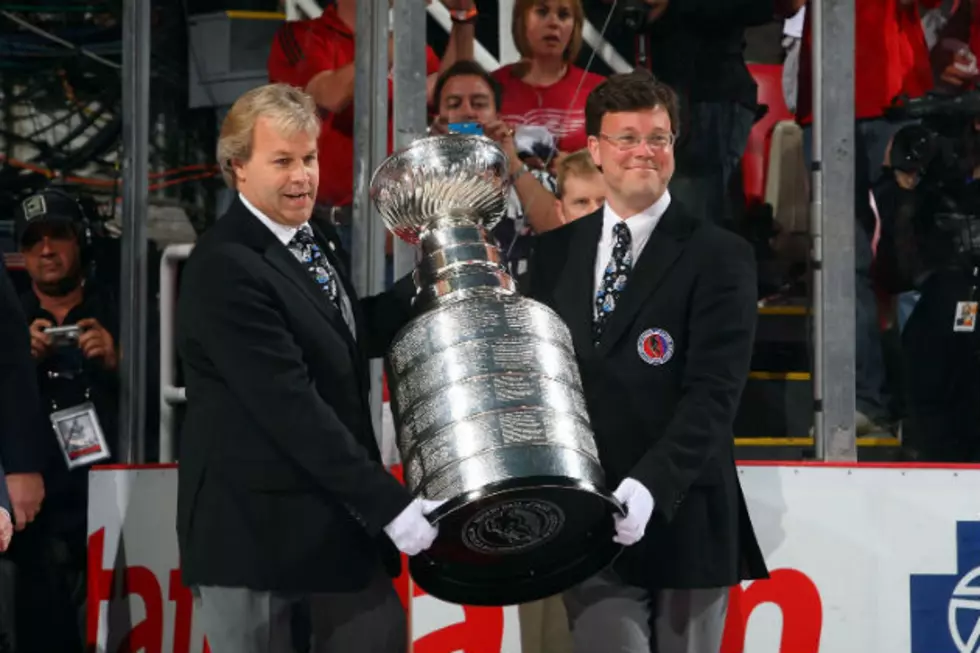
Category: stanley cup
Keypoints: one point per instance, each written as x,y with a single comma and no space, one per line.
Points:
486,395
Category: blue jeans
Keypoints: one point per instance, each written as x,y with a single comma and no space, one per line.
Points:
871,140
715,137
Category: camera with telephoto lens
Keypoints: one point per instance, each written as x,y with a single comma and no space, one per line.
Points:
942,149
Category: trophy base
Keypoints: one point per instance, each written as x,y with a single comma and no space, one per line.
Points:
518,541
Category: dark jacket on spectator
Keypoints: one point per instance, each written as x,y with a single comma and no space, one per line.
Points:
21,444
696,47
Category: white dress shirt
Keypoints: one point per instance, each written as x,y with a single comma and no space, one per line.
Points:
284,233
641,226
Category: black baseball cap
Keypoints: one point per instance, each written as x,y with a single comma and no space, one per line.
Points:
913,149
48,212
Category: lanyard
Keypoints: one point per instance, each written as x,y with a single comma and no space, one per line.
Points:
65,379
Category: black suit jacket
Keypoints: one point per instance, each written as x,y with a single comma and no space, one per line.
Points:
23,427
667,425
281,484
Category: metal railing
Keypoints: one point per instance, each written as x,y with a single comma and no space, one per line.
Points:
170,394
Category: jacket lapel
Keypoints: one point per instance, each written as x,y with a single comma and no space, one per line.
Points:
283,260
326,234
250,231
658,256
256,235
575,294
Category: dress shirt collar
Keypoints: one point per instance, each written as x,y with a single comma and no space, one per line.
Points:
641,225
283,233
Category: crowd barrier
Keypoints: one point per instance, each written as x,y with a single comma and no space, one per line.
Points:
864,558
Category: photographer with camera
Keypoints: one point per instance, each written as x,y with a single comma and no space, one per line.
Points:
928,257
73,328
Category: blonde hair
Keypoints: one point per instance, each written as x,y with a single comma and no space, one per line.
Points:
518,30
576,164
290,110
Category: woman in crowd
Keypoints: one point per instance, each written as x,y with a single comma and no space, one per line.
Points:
465,93
544,93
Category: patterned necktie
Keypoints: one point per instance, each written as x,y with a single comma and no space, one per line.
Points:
304,247
613,279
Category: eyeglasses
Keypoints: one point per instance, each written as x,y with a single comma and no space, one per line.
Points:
626,142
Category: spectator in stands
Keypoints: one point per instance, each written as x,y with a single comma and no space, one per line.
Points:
318,55
76,374
466,93
661,305
792,38
22,490
545,90
697,48
282,497
581,189
891,59
21,453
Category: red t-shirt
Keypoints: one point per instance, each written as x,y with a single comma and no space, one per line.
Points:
890,59
559,107
301,50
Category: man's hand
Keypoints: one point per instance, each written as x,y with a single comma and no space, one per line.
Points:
40,342
961,64
96,342
639,507
26,495
6,530
439,127
503,134
411,532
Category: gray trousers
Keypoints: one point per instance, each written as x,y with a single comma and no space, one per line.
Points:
239,620
608,616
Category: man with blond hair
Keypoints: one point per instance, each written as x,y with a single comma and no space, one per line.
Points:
283,500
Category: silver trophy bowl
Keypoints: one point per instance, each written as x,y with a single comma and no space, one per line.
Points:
486,396
441,178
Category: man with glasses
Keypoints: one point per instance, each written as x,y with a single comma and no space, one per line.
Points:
661,305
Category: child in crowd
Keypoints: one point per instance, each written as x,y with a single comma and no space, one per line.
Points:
581,189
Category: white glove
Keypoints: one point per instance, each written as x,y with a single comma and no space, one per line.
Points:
411,532
639,506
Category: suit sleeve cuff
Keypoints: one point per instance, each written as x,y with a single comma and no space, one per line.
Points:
666,497
391,500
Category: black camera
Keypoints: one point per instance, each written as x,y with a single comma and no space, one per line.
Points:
940,228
